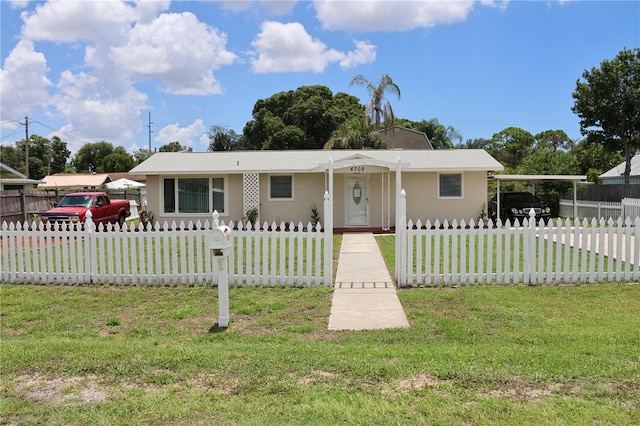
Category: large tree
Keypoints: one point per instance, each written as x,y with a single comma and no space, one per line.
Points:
298,119
223,139
510,146
102,157
45,156
378,110
608,104
118,161
175,146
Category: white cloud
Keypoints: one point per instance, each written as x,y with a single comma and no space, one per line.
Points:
69,21
23,81
97,111
289,48
18,4
185,135
360,15
177,49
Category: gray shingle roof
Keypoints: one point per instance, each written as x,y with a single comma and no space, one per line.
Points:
184,163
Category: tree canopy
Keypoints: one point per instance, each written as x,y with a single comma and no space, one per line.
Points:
102,157
607,101
303,118
440,136
45,156
175,146
222,138
355,134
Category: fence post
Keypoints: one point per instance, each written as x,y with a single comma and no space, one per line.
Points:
401,225
328,240
530,257
88,248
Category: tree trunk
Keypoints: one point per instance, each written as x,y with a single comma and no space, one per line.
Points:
627,162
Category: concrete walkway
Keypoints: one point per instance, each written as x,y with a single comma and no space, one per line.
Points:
364,297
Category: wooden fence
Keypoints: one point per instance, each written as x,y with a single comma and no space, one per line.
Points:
561,253
162,255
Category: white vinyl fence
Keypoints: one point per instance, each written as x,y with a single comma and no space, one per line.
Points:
167,254
485,253
481,254
626,208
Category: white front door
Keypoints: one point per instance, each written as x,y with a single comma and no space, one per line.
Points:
357,200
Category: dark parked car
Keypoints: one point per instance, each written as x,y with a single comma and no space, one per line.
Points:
515,206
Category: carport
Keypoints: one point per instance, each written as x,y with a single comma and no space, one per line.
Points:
532,179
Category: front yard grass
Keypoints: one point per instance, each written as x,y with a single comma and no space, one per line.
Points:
105,355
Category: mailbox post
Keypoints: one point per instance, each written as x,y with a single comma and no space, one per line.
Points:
220,246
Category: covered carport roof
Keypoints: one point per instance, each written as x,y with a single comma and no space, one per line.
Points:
540,178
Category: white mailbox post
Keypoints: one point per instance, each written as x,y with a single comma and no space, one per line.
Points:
220,245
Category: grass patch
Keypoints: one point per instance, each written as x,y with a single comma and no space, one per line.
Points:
474,355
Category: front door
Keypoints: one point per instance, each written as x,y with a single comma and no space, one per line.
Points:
357,200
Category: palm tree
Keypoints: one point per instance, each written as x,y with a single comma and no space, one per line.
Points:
355,134
378,109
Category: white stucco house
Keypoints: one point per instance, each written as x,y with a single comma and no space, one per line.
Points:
285,185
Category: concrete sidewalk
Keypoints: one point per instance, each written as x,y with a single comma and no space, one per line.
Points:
364,296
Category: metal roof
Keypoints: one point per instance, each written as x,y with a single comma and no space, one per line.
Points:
618,170
570,178
185,163
74,180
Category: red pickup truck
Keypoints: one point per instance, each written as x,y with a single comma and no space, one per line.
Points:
74,207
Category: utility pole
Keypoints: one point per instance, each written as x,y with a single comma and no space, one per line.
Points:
26,146
150,131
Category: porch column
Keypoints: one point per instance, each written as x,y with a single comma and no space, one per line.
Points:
398,190
328,229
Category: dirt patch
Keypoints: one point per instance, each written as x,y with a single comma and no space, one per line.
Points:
420,381
316,376
63,390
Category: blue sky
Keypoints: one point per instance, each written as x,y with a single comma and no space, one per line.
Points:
88,71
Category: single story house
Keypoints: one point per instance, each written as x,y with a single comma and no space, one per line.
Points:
11,179
616,174
363,185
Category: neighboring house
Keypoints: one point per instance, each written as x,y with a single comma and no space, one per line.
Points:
616,174
11,179
402,138
125,175
285,185
75,181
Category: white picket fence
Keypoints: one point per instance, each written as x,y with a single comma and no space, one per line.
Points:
460,253
626,208
167,254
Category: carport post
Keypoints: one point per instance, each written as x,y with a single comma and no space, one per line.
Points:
575,201
498,201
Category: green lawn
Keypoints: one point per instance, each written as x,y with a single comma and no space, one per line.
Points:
473,355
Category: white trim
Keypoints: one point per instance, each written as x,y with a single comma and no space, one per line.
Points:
209,191
270,198
448,197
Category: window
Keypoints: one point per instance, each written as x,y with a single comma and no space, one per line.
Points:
281,187
218,194
194,195
450,185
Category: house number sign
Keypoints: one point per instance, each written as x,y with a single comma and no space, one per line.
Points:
357,169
